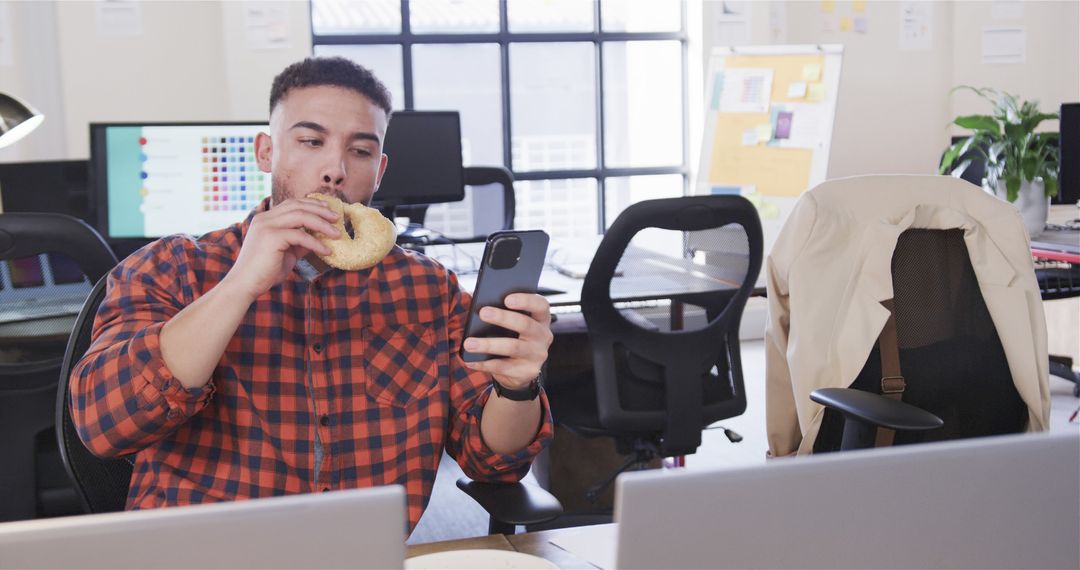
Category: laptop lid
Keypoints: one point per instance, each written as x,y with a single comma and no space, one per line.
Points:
361,528
1001,502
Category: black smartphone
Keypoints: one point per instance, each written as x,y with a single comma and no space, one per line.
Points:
512,263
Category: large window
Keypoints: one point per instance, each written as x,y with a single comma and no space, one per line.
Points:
583,100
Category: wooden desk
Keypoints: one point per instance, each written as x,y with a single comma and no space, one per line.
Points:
535,543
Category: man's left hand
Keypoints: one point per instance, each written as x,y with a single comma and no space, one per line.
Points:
520,358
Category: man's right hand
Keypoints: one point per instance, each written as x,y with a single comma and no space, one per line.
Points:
276,239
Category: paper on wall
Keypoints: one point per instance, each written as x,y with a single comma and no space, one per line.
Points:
119,18
267,25
916,26
778,22
745,90
796,90
1003,45
731,24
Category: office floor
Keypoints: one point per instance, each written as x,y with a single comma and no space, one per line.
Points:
451,514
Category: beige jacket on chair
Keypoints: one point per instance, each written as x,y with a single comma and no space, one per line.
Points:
831,268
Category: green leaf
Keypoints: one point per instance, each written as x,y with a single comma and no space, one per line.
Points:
1050,185
978,123
1029,168
1012,187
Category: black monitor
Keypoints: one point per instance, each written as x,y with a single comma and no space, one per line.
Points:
154,179
1069,144
425,166
55,186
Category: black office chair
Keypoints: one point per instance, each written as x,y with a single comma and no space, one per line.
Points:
956,377
31,474
102,484
651,389
497,187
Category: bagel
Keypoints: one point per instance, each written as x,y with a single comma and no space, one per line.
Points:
373,235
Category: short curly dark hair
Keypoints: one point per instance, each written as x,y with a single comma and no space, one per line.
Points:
334,71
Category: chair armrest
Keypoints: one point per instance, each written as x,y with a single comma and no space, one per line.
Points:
876,410
513,503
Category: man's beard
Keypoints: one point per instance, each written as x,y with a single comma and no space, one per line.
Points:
279,192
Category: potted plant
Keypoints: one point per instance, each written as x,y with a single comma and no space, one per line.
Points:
1021,165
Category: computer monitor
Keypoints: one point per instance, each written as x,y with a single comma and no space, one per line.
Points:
154,179
358,528
1069,145
56,186
425,164
994,502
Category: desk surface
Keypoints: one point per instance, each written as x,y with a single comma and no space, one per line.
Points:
534,543
645,275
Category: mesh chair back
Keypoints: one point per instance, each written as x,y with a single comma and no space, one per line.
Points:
48,264
702,251
950,353
102,484
489,206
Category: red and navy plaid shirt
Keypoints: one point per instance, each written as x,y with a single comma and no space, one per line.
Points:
362,364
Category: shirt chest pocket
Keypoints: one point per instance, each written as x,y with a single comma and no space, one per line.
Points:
402,363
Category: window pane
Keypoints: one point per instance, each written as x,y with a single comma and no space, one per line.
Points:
383,60
453,16
565,209
480,213
553,106
550,15
464,78
329,17
641,15
643,104
620,193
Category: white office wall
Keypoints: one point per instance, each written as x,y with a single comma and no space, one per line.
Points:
31,74
1051,73
894,107
190,60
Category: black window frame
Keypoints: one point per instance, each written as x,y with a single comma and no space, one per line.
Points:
406,39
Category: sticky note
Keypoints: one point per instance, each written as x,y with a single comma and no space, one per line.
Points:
749,137
859,5
796,90
860,25
764,132
816,92
828,6
846,25
811,72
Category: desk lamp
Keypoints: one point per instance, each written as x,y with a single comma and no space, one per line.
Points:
17,119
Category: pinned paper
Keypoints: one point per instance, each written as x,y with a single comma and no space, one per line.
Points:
828,6
846,25
783,124
796,90
764,132
811,72
860,25
816,92
859,6
749,137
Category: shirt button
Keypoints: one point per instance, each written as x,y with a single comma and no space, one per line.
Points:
324,420
317,347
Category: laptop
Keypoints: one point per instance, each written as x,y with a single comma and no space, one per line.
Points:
1001,502
360,528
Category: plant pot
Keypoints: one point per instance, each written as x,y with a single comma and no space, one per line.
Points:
1033,203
